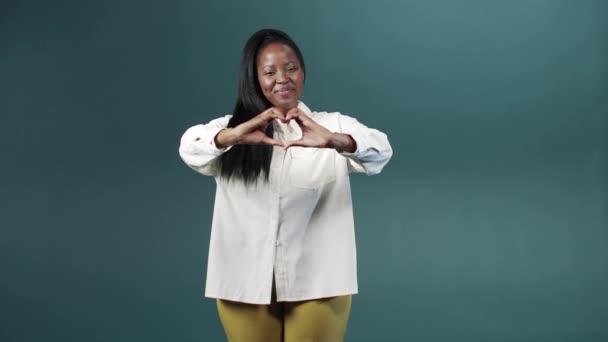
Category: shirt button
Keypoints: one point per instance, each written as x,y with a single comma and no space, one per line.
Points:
278,243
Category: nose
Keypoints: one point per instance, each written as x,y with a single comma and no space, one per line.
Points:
281,77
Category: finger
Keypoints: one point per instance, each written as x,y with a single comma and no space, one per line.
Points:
259,122
270,110
266,119
272,114
278,114
293,112
299,143
278,111
270,141
262,120
302,120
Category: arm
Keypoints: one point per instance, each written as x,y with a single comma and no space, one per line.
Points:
366,149
201,145
372,149
198,147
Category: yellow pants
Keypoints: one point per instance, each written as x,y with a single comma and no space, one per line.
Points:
321,320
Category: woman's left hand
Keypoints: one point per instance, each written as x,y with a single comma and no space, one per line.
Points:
315,135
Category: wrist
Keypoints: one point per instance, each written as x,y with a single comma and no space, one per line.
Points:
342,143
225,138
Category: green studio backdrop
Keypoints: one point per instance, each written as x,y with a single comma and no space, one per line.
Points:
489,224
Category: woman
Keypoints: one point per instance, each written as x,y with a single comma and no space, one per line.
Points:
282,258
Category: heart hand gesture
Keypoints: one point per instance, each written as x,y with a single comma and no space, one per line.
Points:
250,132
315,135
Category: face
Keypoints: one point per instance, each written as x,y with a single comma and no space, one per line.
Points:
280,75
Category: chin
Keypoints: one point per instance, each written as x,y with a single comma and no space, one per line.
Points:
287,105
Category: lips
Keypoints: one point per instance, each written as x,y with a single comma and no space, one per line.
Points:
284,91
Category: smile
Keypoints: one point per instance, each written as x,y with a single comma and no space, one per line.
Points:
284,91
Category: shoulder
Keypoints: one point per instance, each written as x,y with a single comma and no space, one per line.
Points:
334,121
219,122
332,118
222,121
213,124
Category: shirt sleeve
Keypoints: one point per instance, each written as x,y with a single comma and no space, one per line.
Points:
373,149
197,146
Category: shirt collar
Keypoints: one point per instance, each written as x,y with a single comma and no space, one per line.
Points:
304,108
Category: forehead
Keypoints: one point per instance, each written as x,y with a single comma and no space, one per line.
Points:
276,53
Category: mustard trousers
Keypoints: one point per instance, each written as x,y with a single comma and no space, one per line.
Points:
320,320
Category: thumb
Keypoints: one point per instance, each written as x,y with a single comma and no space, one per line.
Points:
298,143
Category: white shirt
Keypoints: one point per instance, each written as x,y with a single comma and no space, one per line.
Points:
298,225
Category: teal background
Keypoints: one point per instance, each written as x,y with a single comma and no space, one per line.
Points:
489,224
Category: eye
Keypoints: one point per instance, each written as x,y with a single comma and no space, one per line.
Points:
268,73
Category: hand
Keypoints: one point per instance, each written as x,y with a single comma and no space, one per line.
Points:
250,132
315,135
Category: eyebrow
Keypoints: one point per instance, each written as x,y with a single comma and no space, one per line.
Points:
288,62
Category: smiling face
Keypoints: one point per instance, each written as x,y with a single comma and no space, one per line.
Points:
280,75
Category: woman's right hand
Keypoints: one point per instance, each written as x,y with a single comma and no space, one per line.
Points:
250,132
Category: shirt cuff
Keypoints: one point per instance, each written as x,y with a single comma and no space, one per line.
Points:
361,141
216,150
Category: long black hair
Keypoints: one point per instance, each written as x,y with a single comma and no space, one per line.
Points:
248,162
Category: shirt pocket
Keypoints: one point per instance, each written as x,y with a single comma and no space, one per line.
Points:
311,168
